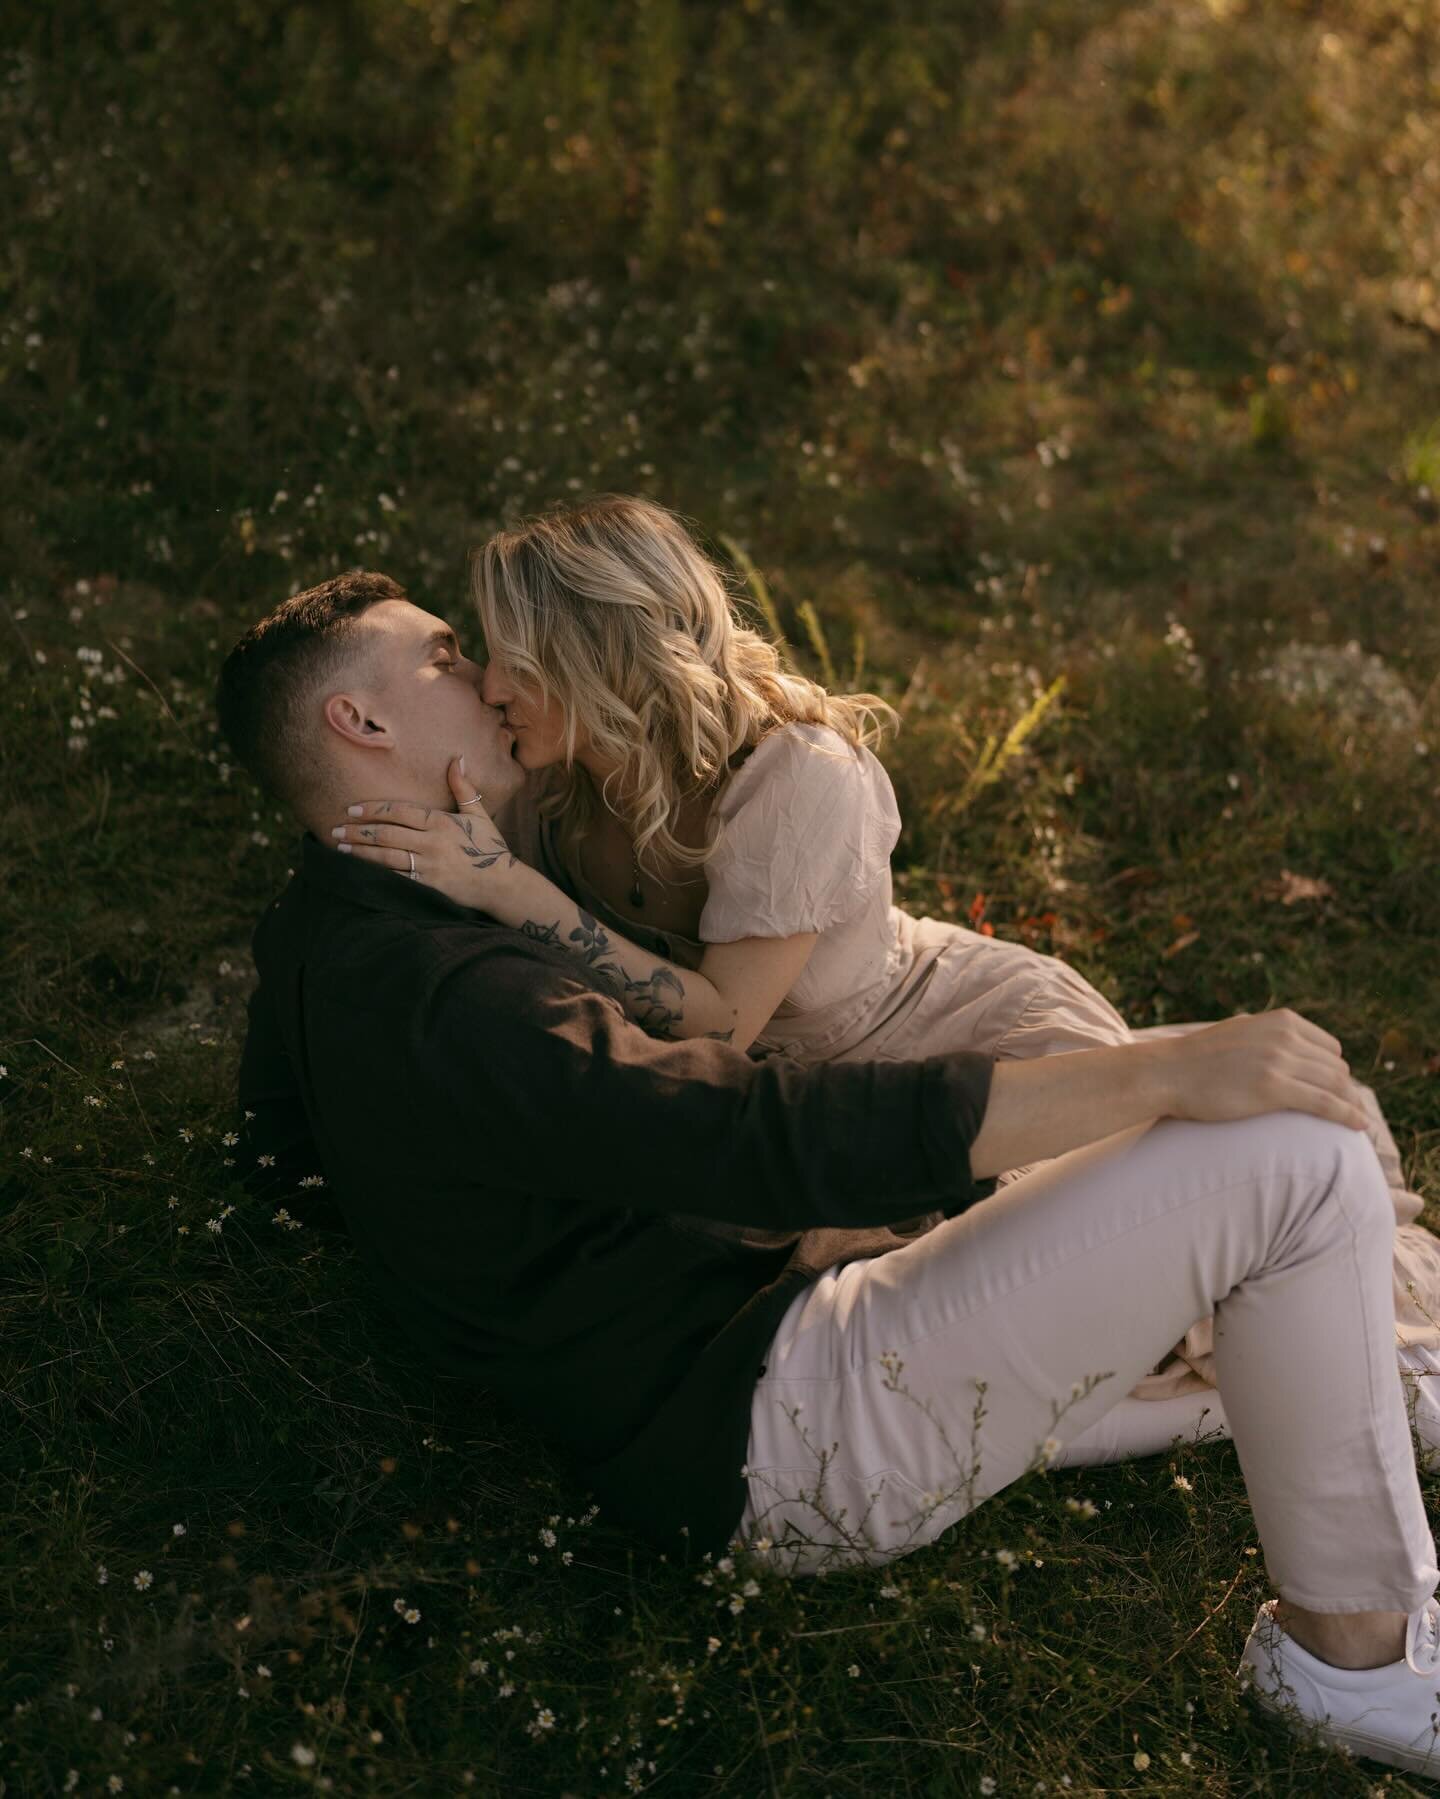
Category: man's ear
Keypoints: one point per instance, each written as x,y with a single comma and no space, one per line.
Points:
350,719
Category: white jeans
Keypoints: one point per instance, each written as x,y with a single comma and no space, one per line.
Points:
902,1391
1146,1426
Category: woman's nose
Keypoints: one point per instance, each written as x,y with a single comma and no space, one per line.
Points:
493,689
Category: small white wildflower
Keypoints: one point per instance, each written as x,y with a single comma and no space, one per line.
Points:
1184,1485
302,1756
94,1099
103,1576
144,1580
229,1139
978,1632
177,1530
853,1670
1142,1761
1006,1557
987,1783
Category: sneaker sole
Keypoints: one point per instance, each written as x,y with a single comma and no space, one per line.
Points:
1360,1742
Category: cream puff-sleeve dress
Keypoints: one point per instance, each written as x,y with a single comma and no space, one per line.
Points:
808,824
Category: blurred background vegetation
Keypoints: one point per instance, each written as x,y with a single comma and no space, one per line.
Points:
1002,343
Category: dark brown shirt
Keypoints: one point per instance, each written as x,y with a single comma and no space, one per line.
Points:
532,1179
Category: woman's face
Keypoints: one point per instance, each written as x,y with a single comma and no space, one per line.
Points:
539,728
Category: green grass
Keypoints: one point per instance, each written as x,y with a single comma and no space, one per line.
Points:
1023,340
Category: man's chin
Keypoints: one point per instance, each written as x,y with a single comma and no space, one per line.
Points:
504,782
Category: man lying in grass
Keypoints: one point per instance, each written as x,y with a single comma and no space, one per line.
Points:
529,1174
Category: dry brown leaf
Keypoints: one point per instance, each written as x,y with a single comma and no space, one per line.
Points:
1292,887
1396,1045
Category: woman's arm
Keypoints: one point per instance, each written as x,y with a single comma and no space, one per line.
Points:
731,996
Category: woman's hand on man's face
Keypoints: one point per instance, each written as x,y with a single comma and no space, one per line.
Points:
462,853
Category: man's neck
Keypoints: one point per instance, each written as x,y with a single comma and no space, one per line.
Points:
320,816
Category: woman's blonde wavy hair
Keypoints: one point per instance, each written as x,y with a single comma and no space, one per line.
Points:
609,606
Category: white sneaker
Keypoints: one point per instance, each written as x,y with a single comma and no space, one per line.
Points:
1390,1714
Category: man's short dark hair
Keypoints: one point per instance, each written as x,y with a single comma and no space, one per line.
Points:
275,668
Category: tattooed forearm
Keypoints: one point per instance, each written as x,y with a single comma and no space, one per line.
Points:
656,1001
646,1000
591,938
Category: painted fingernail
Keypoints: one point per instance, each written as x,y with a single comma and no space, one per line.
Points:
345,849
354,811
339,830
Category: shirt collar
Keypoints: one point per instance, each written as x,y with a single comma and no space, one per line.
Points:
381,889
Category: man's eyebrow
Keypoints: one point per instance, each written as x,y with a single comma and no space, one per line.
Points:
444,635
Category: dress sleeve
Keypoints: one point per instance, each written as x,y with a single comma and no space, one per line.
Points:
808,824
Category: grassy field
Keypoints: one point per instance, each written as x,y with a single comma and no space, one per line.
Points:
1018,339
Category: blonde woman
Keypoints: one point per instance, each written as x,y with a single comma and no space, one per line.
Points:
711,836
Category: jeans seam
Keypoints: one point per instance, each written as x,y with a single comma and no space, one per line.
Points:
1387,1467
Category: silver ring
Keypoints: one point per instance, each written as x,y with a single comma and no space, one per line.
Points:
411,855
475,802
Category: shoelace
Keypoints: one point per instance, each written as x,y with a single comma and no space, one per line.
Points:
1422,1647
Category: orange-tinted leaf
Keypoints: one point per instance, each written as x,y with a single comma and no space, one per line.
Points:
1292,887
